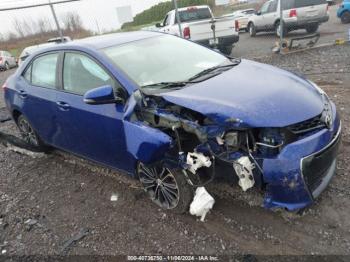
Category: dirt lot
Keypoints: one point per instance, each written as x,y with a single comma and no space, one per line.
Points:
46,200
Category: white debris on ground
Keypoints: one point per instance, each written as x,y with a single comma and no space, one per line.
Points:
202,203
114,197
23,151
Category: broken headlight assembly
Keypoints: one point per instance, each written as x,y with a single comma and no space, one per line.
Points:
327,114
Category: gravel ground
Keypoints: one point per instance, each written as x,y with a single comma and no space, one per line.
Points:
45,200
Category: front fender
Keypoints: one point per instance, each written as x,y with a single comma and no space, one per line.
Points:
144,143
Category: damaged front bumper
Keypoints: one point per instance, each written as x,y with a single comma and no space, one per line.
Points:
302,170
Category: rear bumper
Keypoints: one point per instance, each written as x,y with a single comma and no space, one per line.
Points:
303,169
302,23
221,41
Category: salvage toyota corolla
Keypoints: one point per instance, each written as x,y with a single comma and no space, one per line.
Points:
177,116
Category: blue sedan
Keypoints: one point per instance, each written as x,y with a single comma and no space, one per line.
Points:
177,116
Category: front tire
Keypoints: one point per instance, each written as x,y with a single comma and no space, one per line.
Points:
7,66
345,17
167,188
29,136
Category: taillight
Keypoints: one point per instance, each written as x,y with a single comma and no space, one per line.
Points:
237,25
187,33
4,86
293,13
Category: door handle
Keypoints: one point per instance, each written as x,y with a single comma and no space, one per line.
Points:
63,106
22,93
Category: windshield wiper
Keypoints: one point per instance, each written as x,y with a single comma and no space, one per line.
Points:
207,71
163,85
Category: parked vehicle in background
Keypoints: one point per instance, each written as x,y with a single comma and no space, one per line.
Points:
30,49
178,115
344,12
198,23
242,16
297,14
7,60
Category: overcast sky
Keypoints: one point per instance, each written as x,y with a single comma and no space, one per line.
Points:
94,13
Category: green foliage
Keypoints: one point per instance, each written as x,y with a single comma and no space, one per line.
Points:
158,12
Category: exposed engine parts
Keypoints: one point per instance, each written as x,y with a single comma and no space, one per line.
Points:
198,141
244,170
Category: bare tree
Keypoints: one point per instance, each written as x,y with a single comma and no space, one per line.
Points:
72,21
27,26
44,25
18,27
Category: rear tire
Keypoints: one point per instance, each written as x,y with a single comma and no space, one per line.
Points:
278,29
29,136
345,17
252,29
167,188
312,29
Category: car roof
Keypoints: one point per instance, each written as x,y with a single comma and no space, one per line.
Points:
104,41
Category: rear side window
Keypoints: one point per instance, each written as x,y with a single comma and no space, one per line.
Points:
304,3
44,71
273,6
194,14
81,74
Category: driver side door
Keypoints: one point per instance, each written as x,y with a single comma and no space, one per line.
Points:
260,22
92,131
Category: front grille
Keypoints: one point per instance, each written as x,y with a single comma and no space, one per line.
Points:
307,126
317,166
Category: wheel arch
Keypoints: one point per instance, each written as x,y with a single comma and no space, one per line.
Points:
15,114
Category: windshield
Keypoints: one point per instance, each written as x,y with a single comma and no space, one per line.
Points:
163,59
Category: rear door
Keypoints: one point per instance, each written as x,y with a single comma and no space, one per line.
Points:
311,9
36,92
271,15
93,131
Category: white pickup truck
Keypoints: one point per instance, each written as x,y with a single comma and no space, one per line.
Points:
199,25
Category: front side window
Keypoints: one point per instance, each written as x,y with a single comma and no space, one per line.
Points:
81,74
44,71
163,58
265,8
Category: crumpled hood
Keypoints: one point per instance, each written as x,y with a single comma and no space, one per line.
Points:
260,95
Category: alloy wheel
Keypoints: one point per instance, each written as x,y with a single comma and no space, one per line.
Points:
27,132
160,184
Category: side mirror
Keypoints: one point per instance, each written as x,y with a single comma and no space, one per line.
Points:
258,13
102,95
159,25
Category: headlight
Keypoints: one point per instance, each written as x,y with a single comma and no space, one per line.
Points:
320,90
327,114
